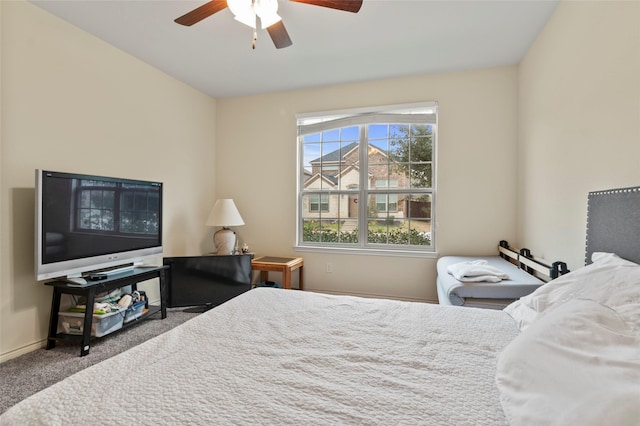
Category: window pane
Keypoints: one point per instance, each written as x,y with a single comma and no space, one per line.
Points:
420,232
403,219
412,152
314,137
378,131
349,174
348,231
421,175
392,202
390,159
419,206
421,149
324,203
350,134
419,214
398,168
332,165
331,135
327,166
320,231
315,204
398,131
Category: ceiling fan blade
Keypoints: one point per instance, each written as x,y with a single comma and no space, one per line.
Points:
204,11
346,5
279,35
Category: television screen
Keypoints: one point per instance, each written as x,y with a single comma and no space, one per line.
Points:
206,280
86,223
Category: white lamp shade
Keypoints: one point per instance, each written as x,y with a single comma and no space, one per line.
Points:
224,213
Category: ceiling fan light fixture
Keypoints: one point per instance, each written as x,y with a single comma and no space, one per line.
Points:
249,21
267,10
248,12
243,11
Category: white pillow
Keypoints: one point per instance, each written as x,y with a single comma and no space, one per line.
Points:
579,362
610,280
620,407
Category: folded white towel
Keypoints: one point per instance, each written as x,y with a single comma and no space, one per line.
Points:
476,270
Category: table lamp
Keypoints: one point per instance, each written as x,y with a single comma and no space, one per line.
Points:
225,214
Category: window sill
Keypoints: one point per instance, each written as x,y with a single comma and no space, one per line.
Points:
369,252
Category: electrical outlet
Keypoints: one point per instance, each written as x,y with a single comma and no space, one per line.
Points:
329,267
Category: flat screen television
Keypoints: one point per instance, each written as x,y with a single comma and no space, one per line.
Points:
86,223
203,282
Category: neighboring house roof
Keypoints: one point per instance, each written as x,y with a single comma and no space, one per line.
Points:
348,169
332,180
338,154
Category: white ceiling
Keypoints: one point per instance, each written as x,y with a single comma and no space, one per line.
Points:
387,38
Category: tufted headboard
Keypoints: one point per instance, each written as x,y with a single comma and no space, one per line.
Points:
613,223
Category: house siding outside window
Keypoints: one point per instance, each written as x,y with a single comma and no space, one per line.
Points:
366,179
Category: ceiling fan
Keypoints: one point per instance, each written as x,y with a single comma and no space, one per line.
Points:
246,11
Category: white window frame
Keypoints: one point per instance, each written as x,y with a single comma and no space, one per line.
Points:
317,122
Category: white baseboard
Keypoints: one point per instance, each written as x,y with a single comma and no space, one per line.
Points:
23,350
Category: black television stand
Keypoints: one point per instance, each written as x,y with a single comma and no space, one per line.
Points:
117,280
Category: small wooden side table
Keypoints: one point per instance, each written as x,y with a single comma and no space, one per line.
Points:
284,265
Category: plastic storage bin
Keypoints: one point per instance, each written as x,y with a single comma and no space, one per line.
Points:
72,322
135,311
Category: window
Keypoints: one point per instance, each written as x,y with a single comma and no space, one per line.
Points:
111,207
366,179
318,202
386,202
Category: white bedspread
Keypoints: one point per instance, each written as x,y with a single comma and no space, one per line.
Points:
287,357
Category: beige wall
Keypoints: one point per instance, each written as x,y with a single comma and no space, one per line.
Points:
579,121
476,189
71,102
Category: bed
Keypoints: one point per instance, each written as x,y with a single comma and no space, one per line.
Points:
272,356
523,274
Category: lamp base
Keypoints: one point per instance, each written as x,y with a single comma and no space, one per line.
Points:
224,241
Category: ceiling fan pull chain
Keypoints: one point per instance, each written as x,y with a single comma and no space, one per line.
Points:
255,26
